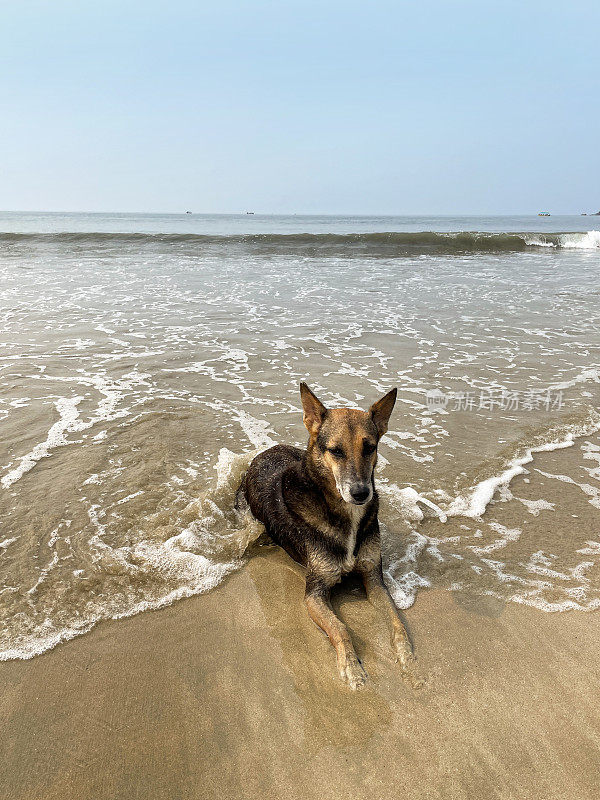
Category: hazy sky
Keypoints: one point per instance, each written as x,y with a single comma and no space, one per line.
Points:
316,107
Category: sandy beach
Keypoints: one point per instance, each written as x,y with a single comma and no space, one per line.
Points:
234,694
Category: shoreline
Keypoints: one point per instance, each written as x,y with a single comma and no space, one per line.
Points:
235,694
441,526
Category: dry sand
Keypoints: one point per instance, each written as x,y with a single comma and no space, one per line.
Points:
235,695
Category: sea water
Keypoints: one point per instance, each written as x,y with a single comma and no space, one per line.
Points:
146,358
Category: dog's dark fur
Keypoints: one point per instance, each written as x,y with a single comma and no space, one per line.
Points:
320,505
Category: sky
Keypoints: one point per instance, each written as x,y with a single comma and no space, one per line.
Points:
300,107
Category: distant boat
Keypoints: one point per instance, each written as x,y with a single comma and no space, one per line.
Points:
249,212
188,212
544,214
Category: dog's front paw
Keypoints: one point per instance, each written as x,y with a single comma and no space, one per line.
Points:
352,672
408,663
403,652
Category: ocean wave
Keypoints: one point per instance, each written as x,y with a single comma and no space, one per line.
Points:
209,542
391,243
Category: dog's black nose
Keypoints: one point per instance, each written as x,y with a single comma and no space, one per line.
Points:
359,492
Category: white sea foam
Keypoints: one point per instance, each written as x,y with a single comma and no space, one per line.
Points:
580,241
202,574
408,501
593,472
587,241
402,576
585,376
539,241
191,562
57,437
4,544
535,507
474,502
593,492
70,420
592,549
406,575
506,535
257,430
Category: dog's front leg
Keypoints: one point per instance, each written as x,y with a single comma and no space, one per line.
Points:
321,612
380,598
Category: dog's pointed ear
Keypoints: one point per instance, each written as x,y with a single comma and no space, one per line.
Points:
313,408
381,411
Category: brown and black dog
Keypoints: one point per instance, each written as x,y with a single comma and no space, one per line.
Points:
320,505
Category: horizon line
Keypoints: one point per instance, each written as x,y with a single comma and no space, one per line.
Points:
302,214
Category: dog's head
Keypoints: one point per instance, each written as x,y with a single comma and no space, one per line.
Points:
343,443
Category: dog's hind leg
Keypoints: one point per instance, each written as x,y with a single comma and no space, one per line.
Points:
320,611
381,600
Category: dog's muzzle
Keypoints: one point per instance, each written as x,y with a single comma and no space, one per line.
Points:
360,493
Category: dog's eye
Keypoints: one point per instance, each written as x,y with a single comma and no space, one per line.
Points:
368,448
336,452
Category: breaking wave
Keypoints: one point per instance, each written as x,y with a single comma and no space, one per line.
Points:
392,243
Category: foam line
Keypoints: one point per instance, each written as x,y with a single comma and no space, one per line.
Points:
67,409
476,500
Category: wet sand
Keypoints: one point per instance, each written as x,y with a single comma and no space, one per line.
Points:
234,694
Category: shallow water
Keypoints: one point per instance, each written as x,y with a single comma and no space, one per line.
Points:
141,371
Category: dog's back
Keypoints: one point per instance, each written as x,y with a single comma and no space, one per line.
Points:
262,483
263,490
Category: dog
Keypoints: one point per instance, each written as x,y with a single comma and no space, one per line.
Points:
320,505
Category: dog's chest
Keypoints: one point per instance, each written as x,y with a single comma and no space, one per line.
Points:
356,515
344,535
